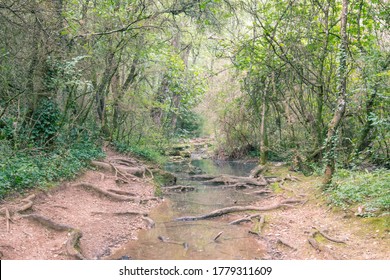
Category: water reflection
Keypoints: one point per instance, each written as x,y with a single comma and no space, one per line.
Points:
195,239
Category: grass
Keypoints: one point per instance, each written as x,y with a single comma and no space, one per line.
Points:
370,190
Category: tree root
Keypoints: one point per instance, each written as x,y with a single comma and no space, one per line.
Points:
47,222
150,222
74,235
230,180
72,244
122,171
258,227
121,213
227,210
105,193
319,247
262,192
122,161
179,188
243,220
327,236
282,242
120,192
28,203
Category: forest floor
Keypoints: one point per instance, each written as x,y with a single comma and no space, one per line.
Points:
317,231
82,219
92,216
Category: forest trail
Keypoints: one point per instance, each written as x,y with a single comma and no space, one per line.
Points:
93,216
313,230
82,219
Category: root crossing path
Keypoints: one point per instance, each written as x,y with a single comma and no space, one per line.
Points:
83,219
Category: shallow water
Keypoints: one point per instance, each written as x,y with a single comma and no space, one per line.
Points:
195,239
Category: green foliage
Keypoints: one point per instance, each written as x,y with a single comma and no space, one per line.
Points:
45,123
148,153
369,189
29,169
189,125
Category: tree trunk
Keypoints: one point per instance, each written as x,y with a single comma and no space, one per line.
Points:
341,102
263,128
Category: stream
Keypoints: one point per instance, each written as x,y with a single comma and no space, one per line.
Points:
194,240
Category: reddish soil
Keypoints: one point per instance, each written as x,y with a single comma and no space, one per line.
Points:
105,223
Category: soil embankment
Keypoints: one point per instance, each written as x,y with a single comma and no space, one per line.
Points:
83,219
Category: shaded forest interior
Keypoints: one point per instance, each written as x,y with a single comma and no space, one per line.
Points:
305,82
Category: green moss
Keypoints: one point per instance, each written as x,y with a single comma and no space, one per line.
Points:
276,188
380,225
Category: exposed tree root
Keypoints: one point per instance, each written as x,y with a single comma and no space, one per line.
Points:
256,172
102,165
272,179
262,192
232,180
122,171
149,221
120,192
327,236
227,210
282,242
72,244
257,230
319,247
123,161
74,235
106,193
47,222
261,224
314,244
202,177
121,213
243,220
179,188
291,178
28,203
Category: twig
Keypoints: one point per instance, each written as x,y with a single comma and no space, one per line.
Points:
217,236
328,237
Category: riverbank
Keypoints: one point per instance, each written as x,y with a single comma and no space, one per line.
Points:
81,219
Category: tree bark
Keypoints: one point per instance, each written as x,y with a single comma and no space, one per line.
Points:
341,102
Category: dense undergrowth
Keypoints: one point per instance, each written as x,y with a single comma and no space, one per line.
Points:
369,190
148,153
32,168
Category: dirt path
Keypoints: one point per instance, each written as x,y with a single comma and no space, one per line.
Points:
315,231
83,219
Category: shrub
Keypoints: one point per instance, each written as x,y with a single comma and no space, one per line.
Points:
369,189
